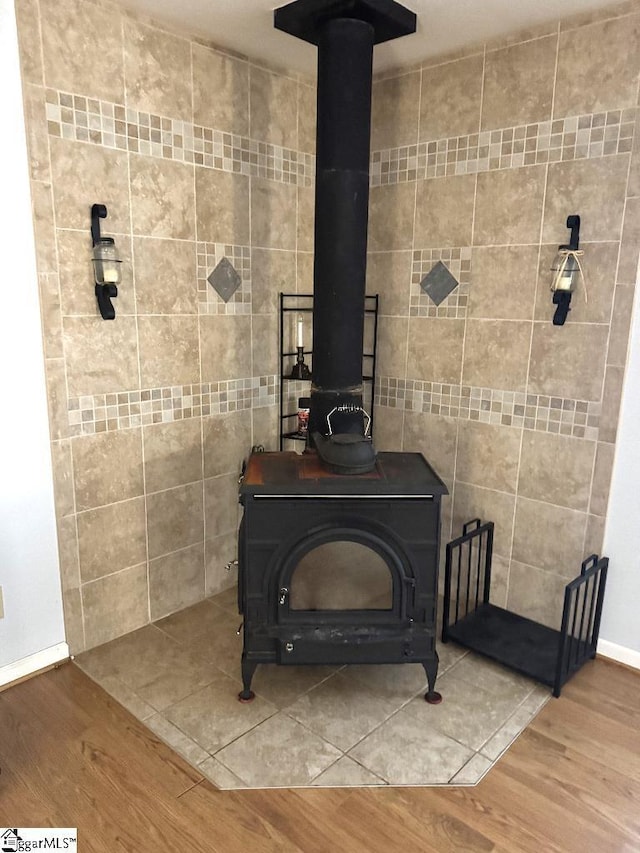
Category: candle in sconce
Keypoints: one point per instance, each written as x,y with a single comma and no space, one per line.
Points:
300,333
106,262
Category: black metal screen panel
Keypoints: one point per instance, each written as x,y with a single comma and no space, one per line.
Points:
467,572
535,650
581,615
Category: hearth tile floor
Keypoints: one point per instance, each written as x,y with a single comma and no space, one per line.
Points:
322,726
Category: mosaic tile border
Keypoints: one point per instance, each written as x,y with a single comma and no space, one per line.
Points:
458,262
574,138
564,416
125,409
209,256
112,125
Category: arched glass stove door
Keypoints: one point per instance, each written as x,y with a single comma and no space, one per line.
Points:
341,575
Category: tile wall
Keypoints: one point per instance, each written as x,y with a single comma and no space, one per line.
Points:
199,155
478,159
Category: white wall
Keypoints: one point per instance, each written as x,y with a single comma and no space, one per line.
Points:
29,571
621,615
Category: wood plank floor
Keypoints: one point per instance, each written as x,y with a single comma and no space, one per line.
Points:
71,756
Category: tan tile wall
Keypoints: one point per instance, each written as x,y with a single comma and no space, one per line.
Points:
201,155
198,156
477,162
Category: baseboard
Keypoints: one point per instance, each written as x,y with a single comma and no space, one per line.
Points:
32,664
622,654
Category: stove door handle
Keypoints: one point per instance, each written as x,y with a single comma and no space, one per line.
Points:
284,594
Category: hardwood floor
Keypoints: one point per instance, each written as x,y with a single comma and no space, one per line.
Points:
71,756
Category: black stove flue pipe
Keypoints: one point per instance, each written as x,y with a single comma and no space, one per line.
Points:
345,58
345,32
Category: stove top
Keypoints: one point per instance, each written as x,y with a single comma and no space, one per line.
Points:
290,473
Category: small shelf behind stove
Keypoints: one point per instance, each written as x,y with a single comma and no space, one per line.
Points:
302,303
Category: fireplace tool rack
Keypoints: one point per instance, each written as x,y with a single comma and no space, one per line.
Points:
544,654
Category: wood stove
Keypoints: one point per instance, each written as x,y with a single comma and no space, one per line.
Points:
336,569
338,547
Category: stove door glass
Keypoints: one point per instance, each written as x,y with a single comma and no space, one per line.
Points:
341,575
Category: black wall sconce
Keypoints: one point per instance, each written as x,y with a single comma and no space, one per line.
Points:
106,264
566,269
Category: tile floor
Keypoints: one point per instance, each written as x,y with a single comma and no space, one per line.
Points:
327,726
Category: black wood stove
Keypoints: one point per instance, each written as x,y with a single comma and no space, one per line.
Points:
338,546
336,569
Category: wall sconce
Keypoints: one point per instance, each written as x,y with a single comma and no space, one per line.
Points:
566,268
106,264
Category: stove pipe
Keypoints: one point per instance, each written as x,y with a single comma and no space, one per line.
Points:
345,32
345,57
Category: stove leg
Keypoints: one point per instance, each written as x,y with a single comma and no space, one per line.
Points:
431,696
248,668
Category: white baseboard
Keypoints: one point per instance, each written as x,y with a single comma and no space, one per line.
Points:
622,654
33,663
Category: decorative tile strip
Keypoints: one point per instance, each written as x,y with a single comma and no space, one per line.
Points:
125,409
112,125
578,418
458,262
573,138
209,256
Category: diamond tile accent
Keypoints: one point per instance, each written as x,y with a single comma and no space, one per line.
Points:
209,255
458,261
225,280
438,283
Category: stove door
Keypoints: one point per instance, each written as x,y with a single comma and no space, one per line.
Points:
346,596
344,574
